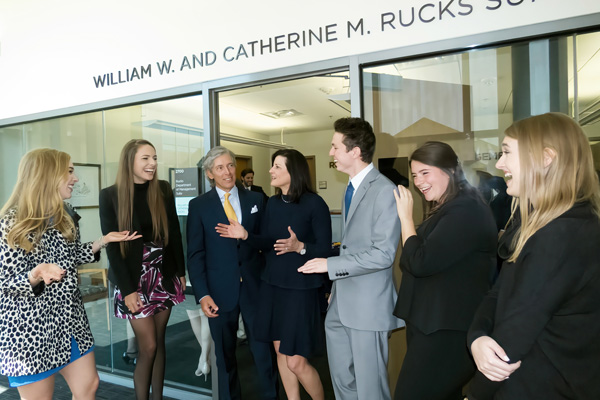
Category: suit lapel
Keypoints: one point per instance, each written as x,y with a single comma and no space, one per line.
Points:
244,206
218,205
360,193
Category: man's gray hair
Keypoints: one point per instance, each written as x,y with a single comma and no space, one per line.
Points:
209,159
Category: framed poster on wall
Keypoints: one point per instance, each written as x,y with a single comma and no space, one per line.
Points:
87,190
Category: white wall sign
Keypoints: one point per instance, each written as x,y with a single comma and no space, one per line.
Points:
57,54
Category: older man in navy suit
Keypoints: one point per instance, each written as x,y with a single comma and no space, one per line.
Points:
225,273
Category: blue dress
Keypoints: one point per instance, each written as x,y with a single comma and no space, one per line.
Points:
289,304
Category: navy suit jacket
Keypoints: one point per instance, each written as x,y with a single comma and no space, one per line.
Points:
216,264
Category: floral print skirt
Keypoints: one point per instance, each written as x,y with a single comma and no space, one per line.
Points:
156,292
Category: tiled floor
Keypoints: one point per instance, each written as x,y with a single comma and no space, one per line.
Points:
182,358
97,315
106,391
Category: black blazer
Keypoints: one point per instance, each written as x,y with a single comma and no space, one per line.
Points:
259,189
545,311
126,272
216,264
447,267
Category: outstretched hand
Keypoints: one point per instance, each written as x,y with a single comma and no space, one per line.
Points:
234,230
314,266
491,359
124,236
289,245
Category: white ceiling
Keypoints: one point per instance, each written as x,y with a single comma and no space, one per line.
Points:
311,97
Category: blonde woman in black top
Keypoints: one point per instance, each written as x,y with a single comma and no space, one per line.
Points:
536,334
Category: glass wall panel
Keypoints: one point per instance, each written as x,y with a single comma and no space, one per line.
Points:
588,89
467,100
256,121
94,141
175,128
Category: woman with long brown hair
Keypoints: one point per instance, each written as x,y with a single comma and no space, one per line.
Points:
540,324
447,264
149,273
44,329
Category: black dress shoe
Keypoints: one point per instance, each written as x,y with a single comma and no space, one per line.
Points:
130,360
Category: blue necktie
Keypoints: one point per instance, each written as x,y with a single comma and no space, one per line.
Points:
348,197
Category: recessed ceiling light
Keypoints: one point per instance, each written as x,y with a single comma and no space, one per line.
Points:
282,114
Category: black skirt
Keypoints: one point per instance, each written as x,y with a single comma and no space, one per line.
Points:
291,316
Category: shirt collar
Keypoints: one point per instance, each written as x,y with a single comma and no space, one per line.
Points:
358,178
221,192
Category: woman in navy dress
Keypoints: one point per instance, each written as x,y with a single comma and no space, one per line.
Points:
289,305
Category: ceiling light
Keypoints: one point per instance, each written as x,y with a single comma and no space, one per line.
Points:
282,114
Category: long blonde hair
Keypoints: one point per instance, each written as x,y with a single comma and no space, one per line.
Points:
125,191
547,192
36,197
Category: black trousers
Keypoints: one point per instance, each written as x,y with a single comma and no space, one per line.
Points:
223,330
436,366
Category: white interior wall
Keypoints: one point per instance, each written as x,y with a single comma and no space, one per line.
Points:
261,156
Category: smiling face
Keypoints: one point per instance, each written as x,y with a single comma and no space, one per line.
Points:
431,181
344,160
144,164
223,172
280,177
66,186
509,164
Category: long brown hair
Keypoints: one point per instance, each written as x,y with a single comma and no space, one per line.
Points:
125,191
36,197
546,192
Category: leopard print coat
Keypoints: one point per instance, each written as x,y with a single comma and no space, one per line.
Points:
36,324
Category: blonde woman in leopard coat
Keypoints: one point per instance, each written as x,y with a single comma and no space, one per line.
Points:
43,325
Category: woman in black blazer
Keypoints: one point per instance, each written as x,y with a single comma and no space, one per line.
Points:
446,264
540,324
149,273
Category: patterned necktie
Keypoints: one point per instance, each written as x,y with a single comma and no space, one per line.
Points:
229,211
348,198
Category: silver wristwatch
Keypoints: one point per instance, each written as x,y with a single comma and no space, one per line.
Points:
303,251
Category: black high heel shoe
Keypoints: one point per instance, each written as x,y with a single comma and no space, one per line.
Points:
129,360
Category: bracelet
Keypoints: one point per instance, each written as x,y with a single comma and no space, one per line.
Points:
102,243
31,278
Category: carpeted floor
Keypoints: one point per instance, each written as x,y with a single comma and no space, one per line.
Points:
183,351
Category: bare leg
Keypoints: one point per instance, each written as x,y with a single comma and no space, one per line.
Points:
307,375
41,390
288,378
82,377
